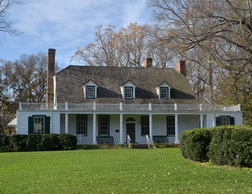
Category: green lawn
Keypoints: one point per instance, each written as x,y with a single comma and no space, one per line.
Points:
116,171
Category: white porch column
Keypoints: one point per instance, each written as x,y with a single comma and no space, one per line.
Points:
150,127
176,129
121,129
66,123
201,121
214,124
94,129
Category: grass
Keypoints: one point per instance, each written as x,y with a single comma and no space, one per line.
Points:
117,171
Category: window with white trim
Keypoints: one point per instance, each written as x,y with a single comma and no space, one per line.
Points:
81,126
104,125
90,91
170,122
128,92
39,124
224,120
145,126
164,93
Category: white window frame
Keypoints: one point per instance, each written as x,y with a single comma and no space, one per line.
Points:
104,125
90,94
128,85
128,92
81,125
224,120
39,124
85,87
168,91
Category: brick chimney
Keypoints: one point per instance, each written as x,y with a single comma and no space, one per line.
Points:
50,74
148,62
181,67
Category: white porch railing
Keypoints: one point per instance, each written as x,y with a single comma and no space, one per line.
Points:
128,107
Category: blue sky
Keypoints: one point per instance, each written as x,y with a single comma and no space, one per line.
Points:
65,25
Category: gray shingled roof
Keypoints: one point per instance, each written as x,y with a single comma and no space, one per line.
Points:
109,79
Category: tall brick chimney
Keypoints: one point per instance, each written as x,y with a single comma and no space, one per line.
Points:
50,74
181,67
148,62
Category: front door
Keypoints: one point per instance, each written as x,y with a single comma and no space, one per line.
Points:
130,130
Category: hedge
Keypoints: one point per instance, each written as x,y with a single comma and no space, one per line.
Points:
224,145
37,142
231,146
195,144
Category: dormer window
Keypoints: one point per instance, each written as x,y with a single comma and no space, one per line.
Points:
163,91
128,90
90,90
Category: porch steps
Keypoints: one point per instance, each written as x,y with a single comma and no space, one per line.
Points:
140,146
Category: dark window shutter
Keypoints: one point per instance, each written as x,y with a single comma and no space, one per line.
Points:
47,125
217,121
30,125
232,121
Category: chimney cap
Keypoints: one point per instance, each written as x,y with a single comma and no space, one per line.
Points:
181,67
51,51
147,62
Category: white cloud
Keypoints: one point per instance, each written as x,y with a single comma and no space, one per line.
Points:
68,24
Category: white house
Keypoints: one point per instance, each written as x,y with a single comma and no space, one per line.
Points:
112,104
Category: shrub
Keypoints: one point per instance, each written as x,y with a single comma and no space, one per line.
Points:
232,145
195,144
4,143
50,142
36,142
33,142
18,143
67,141
165,145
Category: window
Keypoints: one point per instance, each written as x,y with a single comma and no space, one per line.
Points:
39,124
170,125
103,125
225,120
90,92
81,127
164,93
145,125
128,92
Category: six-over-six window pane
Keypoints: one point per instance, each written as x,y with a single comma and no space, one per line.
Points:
39,124
104,125
90,92
171,125
128,92
145,125
81,125
164,93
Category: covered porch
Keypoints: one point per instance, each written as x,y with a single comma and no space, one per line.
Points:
114,128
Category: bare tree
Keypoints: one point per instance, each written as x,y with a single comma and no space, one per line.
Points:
5,24
124,47
215,36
